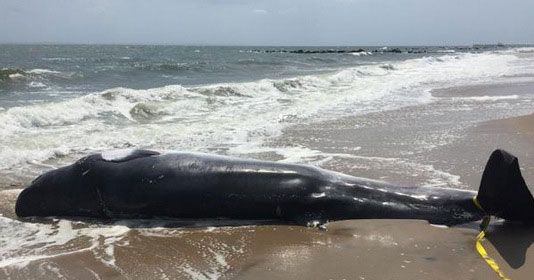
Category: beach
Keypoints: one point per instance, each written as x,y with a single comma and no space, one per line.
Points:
358,249
434,253
412,119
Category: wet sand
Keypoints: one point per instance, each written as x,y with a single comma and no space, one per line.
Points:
435,145
386,249
456,148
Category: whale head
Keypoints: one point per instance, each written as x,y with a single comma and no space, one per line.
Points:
60,192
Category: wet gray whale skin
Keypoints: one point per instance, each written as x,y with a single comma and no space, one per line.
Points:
146,184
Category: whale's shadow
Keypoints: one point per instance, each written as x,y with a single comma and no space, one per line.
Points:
512,242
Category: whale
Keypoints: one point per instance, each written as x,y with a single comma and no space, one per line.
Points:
145,184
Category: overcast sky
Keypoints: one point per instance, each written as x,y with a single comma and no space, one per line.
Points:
268,22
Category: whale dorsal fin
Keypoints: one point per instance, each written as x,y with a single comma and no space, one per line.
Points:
126,155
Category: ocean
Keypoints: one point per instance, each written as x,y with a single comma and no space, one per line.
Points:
61,102
65,101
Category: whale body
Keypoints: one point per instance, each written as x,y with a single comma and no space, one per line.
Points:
147,184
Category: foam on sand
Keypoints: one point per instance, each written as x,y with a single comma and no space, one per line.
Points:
22,243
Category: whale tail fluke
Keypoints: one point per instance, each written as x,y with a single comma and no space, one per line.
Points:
503,191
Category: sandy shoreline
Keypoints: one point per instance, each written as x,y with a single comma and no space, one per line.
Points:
515,135
436,145
462,159
449,252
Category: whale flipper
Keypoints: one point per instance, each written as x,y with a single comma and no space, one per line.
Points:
503,191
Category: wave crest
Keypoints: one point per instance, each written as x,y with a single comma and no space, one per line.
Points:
145,112
287,85
221,90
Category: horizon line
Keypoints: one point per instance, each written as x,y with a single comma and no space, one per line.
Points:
267,45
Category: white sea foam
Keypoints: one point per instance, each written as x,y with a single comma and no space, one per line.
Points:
42,71
56,58
485,98
525,50
16,76
237,117
384,240
361,53
36,85
22,243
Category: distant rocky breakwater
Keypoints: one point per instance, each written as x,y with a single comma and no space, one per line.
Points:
412,50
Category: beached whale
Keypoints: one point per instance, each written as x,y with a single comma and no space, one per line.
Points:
147,184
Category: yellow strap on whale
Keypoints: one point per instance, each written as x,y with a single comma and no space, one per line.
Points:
480,248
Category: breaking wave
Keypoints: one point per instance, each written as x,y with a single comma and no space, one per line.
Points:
236,117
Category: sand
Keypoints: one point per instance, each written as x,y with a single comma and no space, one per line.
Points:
411,146
434,253
416,250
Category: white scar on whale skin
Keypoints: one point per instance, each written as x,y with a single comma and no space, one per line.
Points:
116,154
